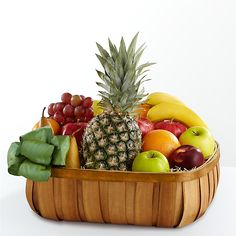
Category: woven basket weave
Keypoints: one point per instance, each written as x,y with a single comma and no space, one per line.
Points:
155,199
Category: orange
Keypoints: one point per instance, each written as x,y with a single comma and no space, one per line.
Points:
160,140
142,110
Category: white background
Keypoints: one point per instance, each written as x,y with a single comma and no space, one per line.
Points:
48,47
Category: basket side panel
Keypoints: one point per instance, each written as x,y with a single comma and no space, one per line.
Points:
204,193
218,172
91,201
116,203
143,203
80,201
215,179
29,193
208,187
211,186
170,204
155,203
65,195
35,197
130,189
58,197
45,198
191,198
104,200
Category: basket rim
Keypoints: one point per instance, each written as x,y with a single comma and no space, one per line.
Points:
133,176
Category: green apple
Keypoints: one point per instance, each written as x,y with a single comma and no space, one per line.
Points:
151,161
199,137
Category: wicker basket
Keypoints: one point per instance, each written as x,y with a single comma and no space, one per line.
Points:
153,199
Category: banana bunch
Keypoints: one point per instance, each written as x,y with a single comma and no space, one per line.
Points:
166,106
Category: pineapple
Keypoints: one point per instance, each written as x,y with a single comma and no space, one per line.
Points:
113,139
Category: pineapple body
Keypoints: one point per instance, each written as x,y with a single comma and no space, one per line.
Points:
111,142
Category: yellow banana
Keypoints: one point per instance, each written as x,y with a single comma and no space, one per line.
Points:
164,111
159,97
72,160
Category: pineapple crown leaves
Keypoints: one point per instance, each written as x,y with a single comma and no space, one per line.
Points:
122,76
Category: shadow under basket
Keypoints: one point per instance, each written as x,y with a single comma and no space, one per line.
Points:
173,199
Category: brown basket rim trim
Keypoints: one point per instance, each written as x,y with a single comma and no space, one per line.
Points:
131,176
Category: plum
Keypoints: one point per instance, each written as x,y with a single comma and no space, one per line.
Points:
186,157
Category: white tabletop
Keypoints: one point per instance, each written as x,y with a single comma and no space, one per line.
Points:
16,217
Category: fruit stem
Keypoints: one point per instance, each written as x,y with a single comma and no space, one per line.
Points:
195,133
152,155
43,112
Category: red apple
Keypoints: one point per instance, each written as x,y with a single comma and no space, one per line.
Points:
174,127
187,157
145,126
75,129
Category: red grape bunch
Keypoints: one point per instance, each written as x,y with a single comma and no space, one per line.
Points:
76,108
